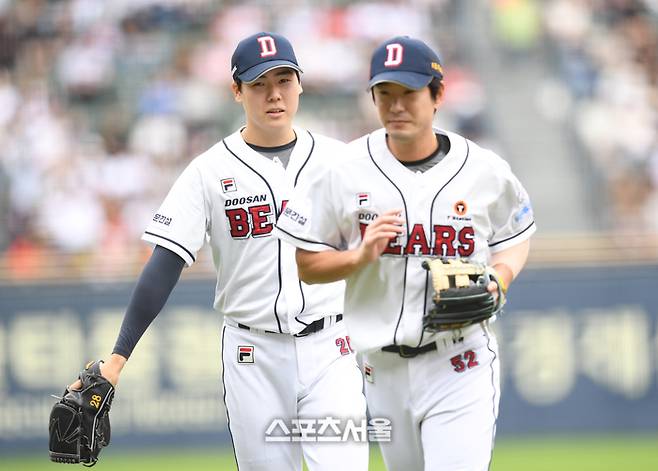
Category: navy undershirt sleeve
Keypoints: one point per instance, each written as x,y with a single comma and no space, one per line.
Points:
155,284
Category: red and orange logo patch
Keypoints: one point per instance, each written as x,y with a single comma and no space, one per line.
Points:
460,208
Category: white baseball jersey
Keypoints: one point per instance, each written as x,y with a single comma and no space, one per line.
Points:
232,196
469,205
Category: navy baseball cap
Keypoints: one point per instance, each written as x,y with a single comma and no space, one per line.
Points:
261,53
405,61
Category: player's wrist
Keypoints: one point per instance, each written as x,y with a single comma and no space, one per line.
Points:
360,257
112,366
116,359
504,275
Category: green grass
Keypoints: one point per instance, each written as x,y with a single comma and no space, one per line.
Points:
609,453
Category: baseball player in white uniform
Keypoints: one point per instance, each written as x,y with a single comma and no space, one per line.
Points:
406,193
285,352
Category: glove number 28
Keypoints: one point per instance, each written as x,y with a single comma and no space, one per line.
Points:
95,401
465,361
344,345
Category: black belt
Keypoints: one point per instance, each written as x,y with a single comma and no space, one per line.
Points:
246,327
406,351
317,325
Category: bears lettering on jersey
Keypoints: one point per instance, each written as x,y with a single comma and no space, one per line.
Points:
448,241
417,242
253,221
250,221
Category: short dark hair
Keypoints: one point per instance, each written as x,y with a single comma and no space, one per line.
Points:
238,82
436,88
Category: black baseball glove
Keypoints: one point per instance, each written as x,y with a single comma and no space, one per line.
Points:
460,295
80,422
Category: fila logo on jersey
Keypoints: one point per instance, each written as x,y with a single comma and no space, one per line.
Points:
228,185
245,353
369,373
267,46
395,52
363,200
447,241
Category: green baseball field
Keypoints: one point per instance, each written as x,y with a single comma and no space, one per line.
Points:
610,453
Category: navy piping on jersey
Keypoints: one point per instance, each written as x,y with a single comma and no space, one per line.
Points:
406,259
404,292
493,385
308,157
228,418
278,295
301,289
276,213
422,331
512,237
306,240
173,242
301,322
427,274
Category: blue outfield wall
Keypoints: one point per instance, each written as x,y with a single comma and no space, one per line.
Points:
579,351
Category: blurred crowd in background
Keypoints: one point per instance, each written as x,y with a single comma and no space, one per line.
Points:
607,53
102,103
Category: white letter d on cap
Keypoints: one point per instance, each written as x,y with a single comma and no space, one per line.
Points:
395,52
267,46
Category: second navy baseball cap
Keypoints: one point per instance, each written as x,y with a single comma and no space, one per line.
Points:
406,61
260,53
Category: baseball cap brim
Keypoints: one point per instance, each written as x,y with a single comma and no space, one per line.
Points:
256,71
412,80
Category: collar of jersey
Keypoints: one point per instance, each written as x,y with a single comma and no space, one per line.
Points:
383,156
236,143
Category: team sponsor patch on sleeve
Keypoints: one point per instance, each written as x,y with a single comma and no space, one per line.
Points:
299,212
523,214
524,208
162,219
294,216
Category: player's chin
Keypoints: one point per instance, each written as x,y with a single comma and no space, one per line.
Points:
399,130
278,119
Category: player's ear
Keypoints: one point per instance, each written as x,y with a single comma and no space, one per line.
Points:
439,97
237,93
